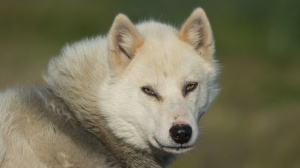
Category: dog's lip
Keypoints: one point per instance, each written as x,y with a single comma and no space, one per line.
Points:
174,149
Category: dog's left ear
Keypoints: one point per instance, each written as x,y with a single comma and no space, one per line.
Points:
197,32
124,39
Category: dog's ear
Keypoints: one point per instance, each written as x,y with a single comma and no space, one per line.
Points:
124,39
197,32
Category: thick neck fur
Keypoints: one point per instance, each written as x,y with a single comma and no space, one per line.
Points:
75,76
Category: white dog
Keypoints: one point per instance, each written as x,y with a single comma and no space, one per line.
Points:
132,98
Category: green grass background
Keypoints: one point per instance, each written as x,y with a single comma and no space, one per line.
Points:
255,121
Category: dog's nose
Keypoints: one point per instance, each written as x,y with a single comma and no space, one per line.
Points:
181,133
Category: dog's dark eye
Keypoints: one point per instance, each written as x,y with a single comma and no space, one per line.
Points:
189,87
150,92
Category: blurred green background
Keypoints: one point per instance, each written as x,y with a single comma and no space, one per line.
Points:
255,121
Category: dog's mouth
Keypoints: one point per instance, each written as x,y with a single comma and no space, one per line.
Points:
174,149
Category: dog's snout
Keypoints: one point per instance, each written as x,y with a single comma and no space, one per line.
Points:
181,133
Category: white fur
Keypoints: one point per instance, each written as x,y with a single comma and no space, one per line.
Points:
138,118
94,111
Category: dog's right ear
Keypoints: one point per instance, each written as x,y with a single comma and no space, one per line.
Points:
123,39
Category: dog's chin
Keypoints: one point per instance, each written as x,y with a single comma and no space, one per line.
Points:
178,149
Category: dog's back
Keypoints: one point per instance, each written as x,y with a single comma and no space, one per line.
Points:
37,130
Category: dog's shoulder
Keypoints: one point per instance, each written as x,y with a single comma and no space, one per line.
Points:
38,124
23,107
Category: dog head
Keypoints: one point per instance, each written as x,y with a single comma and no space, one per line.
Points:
162,81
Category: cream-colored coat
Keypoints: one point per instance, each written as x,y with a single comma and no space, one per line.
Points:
85,117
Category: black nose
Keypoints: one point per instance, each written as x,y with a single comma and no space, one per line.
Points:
181,133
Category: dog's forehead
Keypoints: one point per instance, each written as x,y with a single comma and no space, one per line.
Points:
168,57
167,62
164,56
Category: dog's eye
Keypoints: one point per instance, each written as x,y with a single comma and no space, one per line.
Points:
189,87
150,92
